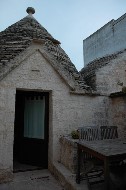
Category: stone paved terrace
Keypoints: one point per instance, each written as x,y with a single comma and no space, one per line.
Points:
44,180
32,180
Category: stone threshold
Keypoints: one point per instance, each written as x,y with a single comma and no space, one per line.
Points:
67,179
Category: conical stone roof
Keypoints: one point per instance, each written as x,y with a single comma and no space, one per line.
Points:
17,37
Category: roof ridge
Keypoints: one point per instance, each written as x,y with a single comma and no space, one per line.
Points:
17,37
91,68
28,22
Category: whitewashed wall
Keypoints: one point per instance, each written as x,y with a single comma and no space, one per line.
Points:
107,40
112,77
67,111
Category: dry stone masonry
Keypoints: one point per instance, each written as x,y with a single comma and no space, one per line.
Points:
32,60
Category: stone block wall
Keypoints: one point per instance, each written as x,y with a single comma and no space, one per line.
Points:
111,77
67,111
33,74
107,40
68,153
118,110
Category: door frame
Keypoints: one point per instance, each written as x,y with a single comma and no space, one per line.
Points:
23,94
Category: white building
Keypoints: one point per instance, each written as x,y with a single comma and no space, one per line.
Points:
43,96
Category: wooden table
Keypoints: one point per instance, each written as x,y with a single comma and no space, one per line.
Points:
106,150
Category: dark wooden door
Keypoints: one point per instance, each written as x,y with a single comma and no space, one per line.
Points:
31,128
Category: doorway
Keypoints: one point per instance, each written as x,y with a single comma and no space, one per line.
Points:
31,128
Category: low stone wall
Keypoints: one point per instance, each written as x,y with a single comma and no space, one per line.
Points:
68,153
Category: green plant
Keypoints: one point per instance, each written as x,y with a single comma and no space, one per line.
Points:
75,134
124,89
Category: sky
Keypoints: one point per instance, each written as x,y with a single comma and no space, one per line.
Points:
69,21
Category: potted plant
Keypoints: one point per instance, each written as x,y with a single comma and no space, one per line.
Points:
75,134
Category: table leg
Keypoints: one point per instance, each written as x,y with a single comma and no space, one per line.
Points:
106,174
78,165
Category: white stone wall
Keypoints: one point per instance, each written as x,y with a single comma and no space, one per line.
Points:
105,41
118,114
66,111
112,77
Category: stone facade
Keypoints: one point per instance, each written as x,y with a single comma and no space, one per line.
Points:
106,75
68,153
75,99
118,112
67,111
107,40
111,77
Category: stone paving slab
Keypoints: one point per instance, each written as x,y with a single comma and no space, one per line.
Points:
32,180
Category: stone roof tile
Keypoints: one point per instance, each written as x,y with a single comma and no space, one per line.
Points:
91,68
17,37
